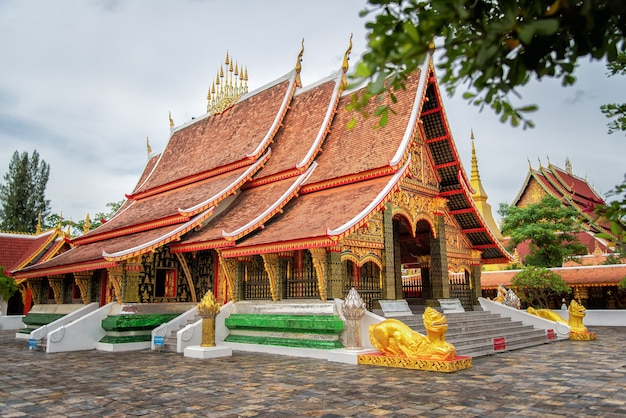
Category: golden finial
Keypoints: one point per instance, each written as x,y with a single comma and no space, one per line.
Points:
87,225
226,90
299,65
171,120
530,165
344,65
568,166
68,231
38,231
148,147
472,134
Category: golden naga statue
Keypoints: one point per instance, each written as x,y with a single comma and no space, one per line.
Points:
576,314
395,338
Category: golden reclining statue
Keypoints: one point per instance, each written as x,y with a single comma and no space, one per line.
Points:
576,314
393,337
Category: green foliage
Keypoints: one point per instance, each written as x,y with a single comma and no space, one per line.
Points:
22,196
77,228
622,284
7,286
548,226
488,47
615,110
615,213
535,285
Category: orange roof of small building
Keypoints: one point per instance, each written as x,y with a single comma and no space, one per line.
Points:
606,275
19,250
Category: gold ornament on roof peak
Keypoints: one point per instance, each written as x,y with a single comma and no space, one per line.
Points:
344,65
299,65
228,86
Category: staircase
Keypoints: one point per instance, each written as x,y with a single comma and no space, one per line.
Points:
473,332
170,342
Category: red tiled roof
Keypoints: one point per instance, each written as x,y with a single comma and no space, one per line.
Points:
608,275
19,250
246,127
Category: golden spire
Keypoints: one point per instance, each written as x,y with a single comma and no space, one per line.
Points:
479,193
171,120
38,231
344,65
299,65
228,86
87,225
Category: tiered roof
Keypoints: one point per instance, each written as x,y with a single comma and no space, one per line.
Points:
20,250
279,170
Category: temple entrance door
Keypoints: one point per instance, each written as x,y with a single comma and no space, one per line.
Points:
300,280
367,280
460,288
413,253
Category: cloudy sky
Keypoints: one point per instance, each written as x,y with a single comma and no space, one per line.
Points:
84,82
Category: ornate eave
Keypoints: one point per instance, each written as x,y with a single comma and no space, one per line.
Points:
68,268
149,246
278,247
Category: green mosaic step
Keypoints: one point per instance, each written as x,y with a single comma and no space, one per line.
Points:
35,320
285,342
317,324
123,323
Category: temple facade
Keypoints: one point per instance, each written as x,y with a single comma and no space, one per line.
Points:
271,195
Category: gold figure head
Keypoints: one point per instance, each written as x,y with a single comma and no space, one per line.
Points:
208,306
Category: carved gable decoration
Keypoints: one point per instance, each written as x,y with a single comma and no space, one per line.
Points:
533,194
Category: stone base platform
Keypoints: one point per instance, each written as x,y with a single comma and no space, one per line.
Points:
582,336
446,366
196,351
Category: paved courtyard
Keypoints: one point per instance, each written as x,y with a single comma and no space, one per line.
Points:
561,379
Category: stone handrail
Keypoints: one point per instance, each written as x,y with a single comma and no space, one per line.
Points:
81,334
561,330
43,331
164,330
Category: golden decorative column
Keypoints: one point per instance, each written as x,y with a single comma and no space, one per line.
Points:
83,281
319,263
229,267
34,284
56,283
116,274
132,268
270,261
208,310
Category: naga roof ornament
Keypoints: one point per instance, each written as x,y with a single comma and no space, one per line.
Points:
299,65
344,65
228,87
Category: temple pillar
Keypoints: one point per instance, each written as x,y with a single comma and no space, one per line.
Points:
439,282
229,267
132,268
335,275
34,285
390,290
116,280
84,283
56,284
270,262
318,256
475,273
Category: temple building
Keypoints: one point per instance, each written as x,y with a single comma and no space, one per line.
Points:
593,281
271,196
20,250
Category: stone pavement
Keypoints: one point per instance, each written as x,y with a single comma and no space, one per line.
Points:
561,379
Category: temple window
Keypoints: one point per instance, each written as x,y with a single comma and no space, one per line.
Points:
165,286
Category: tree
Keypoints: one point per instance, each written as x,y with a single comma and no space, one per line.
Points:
615,110
7,286
22,196
535,285
78,227
548,226
490,46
